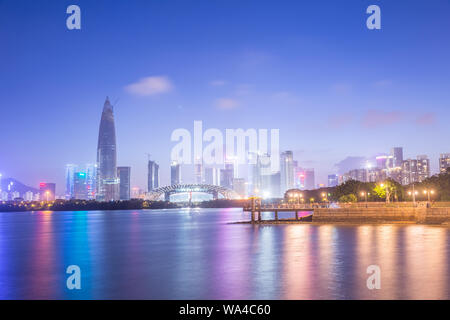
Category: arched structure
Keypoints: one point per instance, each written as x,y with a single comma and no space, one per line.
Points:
182,188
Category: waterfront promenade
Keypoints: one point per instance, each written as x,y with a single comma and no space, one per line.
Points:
376,212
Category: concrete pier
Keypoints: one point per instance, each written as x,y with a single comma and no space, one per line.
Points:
359,214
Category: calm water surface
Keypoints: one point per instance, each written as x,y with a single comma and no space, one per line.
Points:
196,254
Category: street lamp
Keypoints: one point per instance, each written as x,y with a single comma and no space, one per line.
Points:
413,193
429,193
364,194
388,196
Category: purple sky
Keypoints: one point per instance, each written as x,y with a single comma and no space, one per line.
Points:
311,69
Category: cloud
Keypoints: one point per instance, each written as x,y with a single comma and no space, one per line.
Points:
342,88
285,97
426,119
218,83
226,103
379,118
340,121
350,163
150,86
382,83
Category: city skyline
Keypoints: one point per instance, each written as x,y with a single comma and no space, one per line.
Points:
222,76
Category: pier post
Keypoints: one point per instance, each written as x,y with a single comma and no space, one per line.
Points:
276,215
259,216
253,216
296,215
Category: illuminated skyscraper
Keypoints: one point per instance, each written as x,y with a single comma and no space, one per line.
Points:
212,176
333,180
107,182
80,186
423,167
152,176
397,155
198,171
310,181
287,171
91,181
70,175
47,191
444,162
175,173
227,175
124,174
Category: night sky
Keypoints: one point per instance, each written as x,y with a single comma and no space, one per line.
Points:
309,68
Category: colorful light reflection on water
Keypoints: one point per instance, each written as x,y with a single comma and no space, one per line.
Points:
197,254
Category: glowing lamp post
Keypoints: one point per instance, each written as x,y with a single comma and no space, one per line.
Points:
428,193
364,194
413,193
388,196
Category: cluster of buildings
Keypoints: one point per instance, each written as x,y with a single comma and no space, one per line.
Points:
395,167
12,192
256,179
105,181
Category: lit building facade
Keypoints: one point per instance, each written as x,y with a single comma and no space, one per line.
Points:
239,186
107,181
124,175
333,180
227,176
397,157
286,171
80,186
91,181
47,191
175,173
152,176
70,176
310,180
444,162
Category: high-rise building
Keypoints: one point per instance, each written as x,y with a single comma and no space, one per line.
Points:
299,177
397,157
107,181
91,180
356,174
175,173
310,180
423,168
275,185
80,186
47,191
198,171
333,180
376,175
409,172
415,170
227,175
70,175
382,161
124,175
28,196
152,176
239,186
286,171
212,176
444,162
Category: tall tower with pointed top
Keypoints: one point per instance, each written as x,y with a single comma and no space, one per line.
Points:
107,181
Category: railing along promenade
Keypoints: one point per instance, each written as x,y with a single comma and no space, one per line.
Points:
259,208
420,212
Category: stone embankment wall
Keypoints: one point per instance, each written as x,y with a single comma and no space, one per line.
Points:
380,215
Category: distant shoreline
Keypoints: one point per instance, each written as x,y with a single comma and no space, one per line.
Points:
134,204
